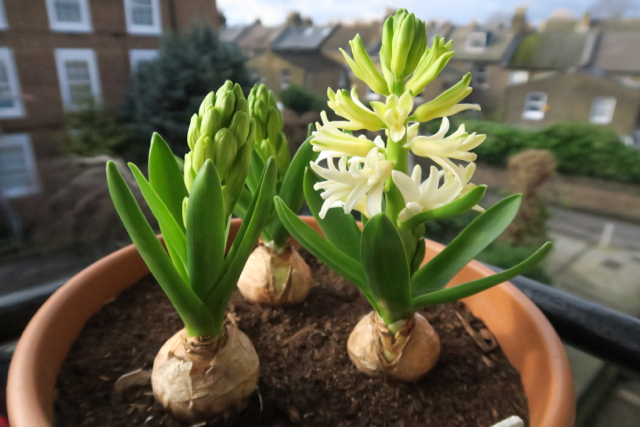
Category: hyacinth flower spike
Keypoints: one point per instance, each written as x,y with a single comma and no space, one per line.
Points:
384,258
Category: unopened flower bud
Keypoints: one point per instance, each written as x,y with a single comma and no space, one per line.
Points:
447,103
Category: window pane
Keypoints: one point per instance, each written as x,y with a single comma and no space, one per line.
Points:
13,168
77,71
6,95
68,11
142,12
80,93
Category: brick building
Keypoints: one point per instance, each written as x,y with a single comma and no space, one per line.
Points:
54,54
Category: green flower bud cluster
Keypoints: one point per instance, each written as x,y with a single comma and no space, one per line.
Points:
224,132
404,41
269,137
430,65
447,103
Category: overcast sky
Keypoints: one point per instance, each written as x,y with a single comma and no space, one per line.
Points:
273,12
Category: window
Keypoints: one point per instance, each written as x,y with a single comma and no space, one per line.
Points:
518,77
286,79
69,15
18,176
136,56
143,16
78,77
480,76
11,105
4,24
476,42
602,109
535,106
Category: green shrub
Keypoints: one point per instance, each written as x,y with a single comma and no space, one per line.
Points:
92,131
164,93
299,100
582,149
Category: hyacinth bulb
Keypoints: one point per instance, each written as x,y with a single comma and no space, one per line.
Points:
275,278
406,355
198,379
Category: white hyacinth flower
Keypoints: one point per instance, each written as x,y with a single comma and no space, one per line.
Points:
358,116
466,172
420,197
328,137
357,183
394,113
441,148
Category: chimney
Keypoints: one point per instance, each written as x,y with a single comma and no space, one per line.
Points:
584,23
519,20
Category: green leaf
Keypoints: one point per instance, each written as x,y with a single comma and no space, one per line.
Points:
244,243
418,256
341,229
291,191
240,209
174,237
470,242
206,226
386,269
321,248
471,288
255,172
194,314
166,177
454,208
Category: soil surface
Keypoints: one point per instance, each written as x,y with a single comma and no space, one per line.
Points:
306,377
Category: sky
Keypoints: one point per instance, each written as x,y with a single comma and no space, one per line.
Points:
273,12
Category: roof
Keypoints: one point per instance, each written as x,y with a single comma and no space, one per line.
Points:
499,42
258,37
553,50
298,38
341,36
232,34
309,60
618,52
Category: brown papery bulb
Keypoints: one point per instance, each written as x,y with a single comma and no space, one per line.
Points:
406,355
275,278
198,379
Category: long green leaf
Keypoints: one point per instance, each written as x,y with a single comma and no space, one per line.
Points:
341,229
255,172
194,314
166,178
206,230
470,242
471,288
240,209
219,298
291,191
321,248
386,269
174,237
454,208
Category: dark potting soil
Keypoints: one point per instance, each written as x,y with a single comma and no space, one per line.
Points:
306,377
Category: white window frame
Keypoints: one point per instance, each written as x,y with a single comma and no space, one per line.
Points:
542,105
476,35
70,27
89,55
610,107
285,78
136,56
22,140
155,29
17,110
4,24
518,77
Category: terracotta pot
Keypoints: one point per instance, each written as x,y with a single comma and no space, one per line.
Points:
528,340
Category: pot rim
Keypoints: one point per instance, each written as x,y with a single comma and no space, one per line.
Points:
34,366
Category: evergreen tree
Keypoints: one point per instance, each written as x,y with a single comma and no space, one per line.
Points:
163,93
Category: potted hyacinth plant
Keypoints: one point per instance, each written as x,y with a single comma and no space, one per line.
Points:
208,368
384,259
275,273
